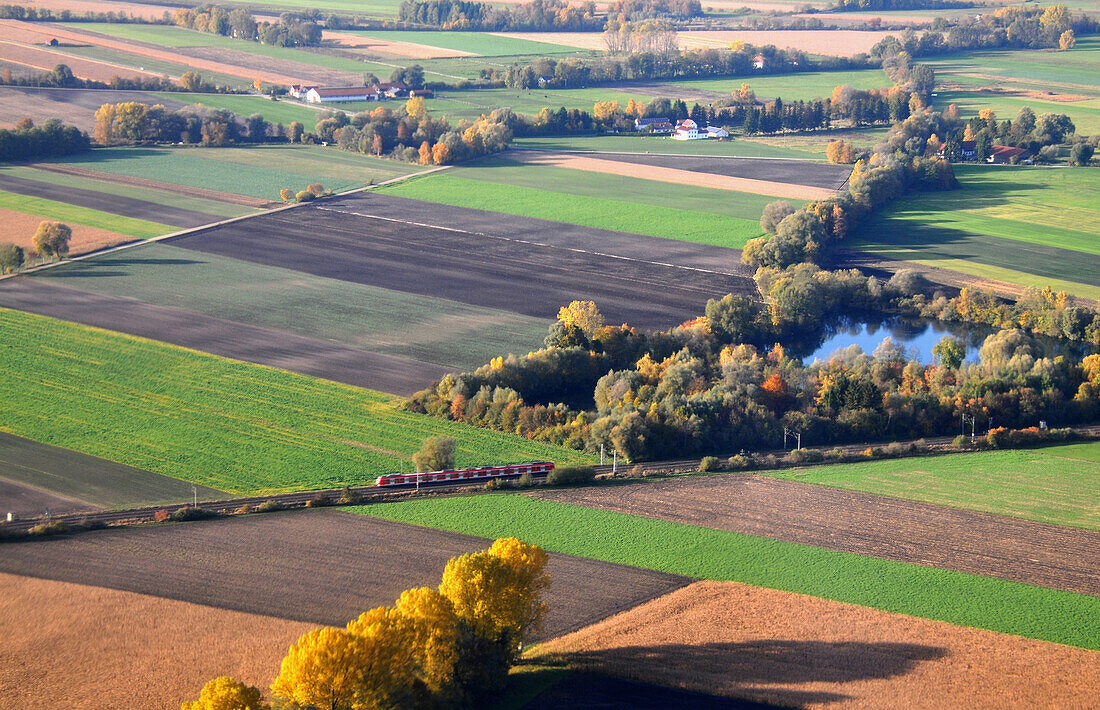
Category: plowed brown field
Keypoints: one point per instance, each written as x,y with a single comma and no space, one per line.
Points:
75,646
849,521
19,229
741,641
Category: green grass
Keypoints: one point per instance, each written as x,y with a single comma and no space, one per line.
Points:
802,86
1058,485
257,171
630,214
1041,223
275,112
436,330
658,144
480,43
135,61
222,423
72,214
955,597
170,199
471,104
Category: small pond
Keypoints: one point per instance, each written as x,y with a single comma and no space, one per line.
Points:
917,336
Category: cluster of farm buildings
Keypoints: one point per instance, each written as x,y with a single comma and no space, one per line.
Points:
375,92
686,130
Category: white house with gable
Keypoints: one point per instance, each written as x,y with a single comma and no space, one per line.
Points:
687,130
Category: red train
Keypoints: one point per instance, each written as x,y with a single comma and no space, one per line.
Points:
488,473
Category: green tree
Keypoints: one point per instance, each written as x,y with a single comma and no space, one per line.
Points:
949,352
436,454
11,257
1080,154
294,133
773,214
52,239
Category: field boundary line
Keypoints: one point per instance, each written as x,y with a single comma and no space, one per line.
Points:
526,241
192,230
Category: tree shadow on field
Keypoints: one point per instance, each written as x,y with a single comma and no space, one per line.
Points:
103,267
764,670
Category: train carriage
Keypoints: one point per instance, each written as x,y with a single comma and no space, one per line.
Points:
484,473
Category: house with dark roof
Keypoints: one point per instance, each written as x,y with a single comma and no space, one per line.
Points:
1003,155
653,125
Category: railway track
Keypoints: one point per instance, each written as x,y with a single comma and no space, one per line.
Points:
372,493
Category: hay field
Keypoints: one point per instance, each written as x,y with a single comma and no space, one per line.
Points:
799,651
73,645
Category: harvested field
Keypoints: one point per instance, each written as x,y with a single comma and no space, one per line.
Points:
75,106
336,240
240,341
115,204
320,566
134,9
237,62
801,651
154,184
57,636
835,42
645,167
347,40
85,482
596,691
19,229
23,500
849,521
46,60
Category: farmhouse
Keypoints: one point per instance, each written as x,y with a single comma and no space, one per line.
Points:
689,130
1003,155
376,92
653,125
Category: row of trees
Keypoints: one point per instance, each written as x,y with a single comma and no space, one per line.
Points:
434,648
632,10
414,136
132,122
539,15
711,385
292,29
883,5
50,140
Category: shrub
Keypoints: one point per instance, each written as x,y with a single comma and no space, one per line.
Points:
896,448
320,500
269,506
636,472
89,524
709,463
526,481
161,516
738,463
571,476
304,196
244,510
836,454
436,454
188,512
350,497
316,189
961,442
804,456
56,527
997,438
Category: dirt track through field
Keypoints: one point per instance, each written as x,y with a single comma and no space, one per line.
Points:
320,566
335,240
576,161
800,651
19,229
104,202
154,184
78,646
890,528
264,346
46,60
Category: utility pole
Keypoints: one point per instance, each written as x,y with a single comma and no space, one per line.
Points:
601,454
796,434
614,461
194,497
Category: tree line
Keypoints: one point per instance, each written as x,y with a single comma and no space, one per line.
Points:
722,382
52,139
447,647
132,122
886,5
537,15
292,29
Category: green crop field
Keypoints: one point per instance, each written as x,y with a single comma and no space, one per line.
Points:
1026,225
481,43
222,423
1058,485
955,597
72,214
594,200
177,37
256,171
659,144
436,330
161,197
802,86
471,104
283,112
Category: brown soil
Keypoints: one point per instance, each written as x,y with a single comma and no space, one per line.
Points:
849,521
400,49
75,106
141,49
72,645
317,566
794,650
19,229
154,184
673,175
46,60
237,62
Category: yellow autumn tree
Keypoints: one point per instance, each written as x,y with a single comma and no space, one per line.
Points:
745,94
433,635
425,153
582,314
416,107
441,153
528,563
258,84
605,110
227,694
1067,40
633,108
